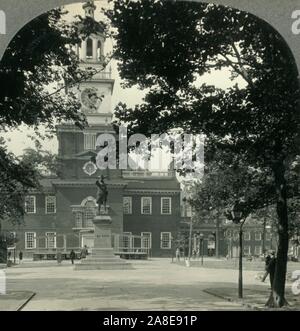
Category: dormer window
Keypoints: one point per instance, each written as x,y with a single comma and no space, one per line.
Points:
89,48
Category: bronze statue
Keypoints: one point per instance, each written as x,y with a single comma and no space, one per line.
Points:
101,194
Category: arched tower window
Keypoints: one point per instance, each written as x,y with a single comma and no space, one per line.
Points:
89,48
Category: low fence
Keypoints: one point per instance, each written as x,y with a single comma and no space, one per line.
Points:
124,245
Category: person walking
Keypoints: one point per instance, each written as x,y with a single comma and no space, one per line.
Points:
72,256
272,266
267,262
84,252
20,257
177,254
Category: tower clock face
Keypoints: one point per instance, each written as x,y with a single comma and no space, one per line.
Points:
91,99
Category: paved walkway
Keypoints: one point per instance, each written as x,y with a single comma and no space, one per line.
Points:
155,284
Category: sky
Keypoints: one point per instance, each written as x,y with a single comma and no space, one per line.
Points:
17,140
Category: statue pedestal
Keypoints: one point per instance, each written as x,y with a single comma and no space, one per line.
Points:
102,255
102,225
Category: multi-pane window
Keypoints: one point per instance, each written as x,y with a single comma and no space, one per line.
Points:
146,208
127,240
165,240
78,220
89,141
50,204
51,239
166,206
127,205
30,204
30,240
247,250
146,240
247,235
268,236
257,236
257,250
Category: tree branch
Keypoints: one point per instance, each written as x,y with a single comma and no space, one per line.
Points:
238,67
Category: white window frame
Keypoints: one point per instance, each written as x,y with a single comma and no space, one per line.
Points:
34,240
47,242
256,237
79,219
247,236
130,243
142,206
170,240
34,204
89,141
170,205
130,205
146,236
248,250
46,204
268,236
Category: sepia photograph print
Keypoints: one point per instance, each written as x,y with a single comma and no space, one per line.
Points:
149,157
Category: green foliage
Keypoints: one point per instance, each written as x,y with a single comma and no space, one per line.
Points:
175,42
38,65
228,179
44,162
16,179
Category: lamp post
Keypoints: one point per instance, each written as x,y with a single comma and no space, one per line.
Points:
190,239
236,216
201,237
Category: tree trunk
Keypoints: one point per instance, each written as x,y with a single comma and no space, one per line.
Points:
277,296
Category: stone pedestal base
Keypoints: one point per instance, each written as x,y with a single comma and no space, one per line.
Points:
102,255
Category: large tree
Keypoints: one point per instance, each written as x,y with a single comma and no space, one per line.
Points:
166,45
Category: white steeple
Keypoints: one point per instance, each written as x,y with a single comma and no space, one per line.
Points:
91,49
95,93
89,8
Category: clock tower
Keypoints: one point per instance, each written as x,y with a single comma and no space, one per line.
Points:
95,94
77,148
